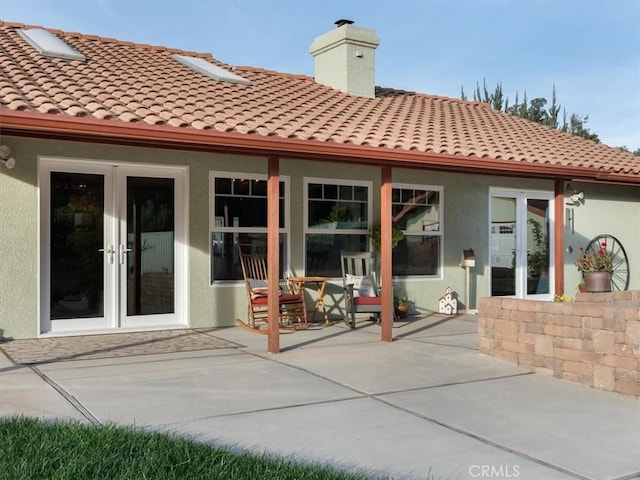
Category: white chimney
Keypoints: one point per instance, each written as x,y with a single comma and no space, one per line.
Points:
345,59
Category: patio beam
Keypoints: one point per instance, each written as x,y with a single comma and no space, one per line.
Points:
558,237
273,254
386,277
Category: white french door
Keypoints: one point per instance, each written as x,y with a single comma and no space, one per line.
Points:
113,246
521,243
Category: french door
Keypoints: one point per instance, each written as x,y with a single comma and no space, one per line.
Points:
112,246
521,243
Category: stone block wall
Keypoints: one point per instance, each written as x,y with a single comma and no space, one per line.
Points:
594,341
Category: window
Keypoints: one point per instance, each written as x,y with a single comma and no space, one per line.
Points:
337,218
238,214
417,211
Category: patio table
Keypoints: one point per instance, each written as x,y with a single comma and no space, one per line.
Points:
300,283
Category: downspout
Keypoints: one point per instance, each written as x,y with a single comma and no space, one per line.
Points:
273,254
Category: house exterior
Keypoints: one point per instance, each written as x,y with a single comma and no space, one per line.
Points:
138,169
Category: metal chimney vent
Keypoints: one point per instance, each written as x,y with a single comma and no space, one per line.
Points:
343,21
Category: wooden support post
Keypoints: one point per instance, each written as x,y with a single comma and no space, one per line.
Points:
273,254
385,254
558,237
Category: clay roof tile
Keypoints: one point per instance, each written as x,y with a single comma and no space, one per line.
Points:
126,82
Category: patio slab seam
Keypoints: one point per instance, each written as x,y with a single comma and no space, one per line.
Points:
446,345
630,476
378,397
450,384
486,441
75,403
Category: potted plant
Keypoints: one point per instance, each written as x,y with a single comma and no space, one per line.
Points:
538,258
596,267
401,304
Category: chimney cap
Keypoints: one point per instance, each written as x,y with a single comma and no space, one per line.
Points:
343,21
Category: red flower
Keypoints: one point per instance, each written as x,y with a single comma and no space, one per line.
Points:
600,252
582,249
603,244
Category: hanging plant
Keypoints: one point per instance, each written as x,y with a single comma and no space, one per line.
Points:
396,237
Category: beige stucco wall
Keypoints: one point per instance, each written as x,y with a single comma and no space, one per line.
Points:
465,212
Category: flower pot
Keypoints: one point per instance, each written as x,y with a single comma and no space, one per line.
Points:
597,281
401,310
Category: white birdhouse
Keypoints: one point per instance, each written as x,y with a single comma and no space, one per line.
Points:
448,304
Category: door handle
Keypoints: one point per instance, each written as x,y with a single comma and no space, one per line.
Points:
123,251
109,251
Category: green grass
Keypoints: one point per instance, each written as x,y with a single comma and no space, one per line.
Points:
36,449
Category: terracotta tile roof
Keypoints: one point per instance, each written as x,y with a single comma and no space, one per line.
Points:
132,83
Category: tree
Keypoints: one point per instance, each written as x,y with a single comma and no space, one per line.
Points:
576,126
535,110
636,152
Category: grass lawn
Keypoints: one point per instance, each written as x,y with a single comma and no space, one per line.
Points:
36,449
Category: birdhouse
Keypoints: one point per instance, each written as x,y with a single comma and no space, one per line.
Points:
468,259
448,304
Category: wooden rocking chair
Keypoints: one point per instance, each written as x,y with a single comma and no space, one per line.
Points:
253,260
361,291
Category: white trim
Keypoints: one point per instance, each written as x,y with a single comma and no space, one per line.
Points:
521,196
178,174
115,174
285,179
430,233
338,182
306,230
47,165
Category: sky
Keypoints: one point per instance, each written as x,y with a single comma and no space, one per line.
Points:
590,50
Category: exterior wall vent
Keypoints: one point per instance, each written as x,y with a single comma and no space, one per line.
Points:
212,71
50,45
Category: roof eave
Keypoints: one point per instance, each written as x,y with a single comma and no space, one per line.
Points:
62,127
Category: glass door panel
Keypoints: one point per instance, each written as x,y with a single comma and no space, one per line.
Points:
521,243
151,246
76,245
149,251
537,246
503,246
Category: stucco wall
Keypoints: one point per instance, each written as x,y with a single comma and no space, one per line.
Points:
465,213
613,210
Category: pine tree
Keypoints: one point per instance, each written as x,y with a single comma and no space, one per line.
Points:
534,109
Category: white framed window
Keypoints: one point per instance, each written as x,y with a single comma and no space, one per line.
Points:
337,217
417,211
238,214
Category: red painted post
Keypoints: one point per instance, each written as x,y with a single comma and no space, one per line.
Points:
558,237
385,253
273,253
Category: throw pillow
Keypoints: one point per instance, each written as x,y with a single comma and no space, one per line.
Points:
362,285
258,288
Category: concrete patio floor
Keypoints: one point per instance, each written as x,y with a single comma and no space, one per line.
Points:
425,404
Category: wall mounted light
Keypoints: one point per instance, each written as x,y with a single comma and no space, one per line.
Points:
5,157
573,197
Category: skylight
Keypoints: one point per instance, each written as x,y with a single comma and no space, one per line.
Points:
219,74
50,45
